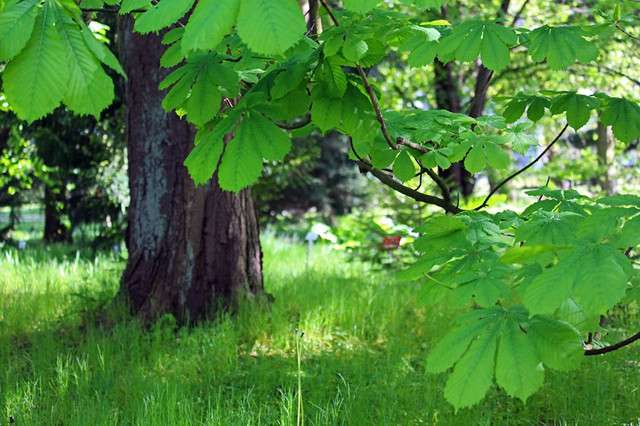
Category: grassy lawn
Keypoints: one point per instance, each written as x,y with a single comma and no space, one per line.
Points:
70,357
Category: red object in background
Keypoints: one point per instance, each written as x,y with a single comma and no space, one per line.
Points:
391,243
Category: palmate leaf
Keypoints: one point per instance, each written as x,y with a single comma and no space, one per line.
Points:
210,22
35,81
593,275
471,39
577,107
16,26
624,117
270,27
256,138
198,86
486,152
560,46
534,105
508,342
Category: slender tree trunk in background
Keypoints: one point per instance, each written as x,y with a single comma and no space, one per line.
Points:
55,231
191,250
448,98
606,151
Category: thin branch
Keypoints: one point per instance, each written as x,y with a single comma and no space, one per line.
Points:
367,85
294,126
111,10
388,180
446,193
627,33
519,13
522,170
376,108
614,347
330,12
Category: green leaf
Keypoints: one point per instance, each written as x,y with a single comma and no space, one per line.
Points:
518,369
89,90
624,116
591,275
557,343
549,228
449,350
560,46
162,15
101,51
326,113
272,142
241,163
205,100
210,22
203,160
16,26
473,373
128,6
360,6
486,152
404,167
471,39
578,108
270,27
172,56
331,76
35,81
354,49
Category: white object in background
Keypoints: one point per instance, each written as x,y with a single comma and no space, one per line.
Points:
311,238
22,245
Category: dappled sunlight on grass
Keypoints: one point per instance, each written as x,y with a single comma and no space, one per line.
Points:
365,338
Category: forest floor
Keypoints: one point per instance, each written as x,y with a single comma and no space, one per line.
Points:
68,356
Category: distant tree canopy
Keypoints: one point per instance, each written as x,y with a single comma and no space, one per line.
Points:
248,72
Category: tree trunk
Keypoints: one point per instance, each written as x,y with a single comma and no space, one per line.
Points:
191,249
448,98
55,231
606,152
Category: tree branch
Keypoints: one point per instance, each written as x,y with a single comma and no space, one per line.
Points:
367,85
614,347
388,180
522,170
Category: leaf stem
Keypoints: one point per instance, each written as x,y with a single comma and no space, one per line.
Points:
522,170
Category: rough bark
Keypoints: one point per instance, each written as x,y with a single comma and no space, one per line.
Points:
191,249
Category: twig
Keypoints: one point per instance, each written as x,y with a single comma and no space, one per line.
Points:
627,33
367,85
518,14
614,347
294,126
376,108
522,170
330,12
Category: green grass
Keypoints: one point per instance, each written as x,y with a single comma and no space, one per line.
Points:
65,359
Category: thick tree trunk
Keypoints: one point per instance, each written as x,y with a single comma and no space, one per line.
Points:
191,250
